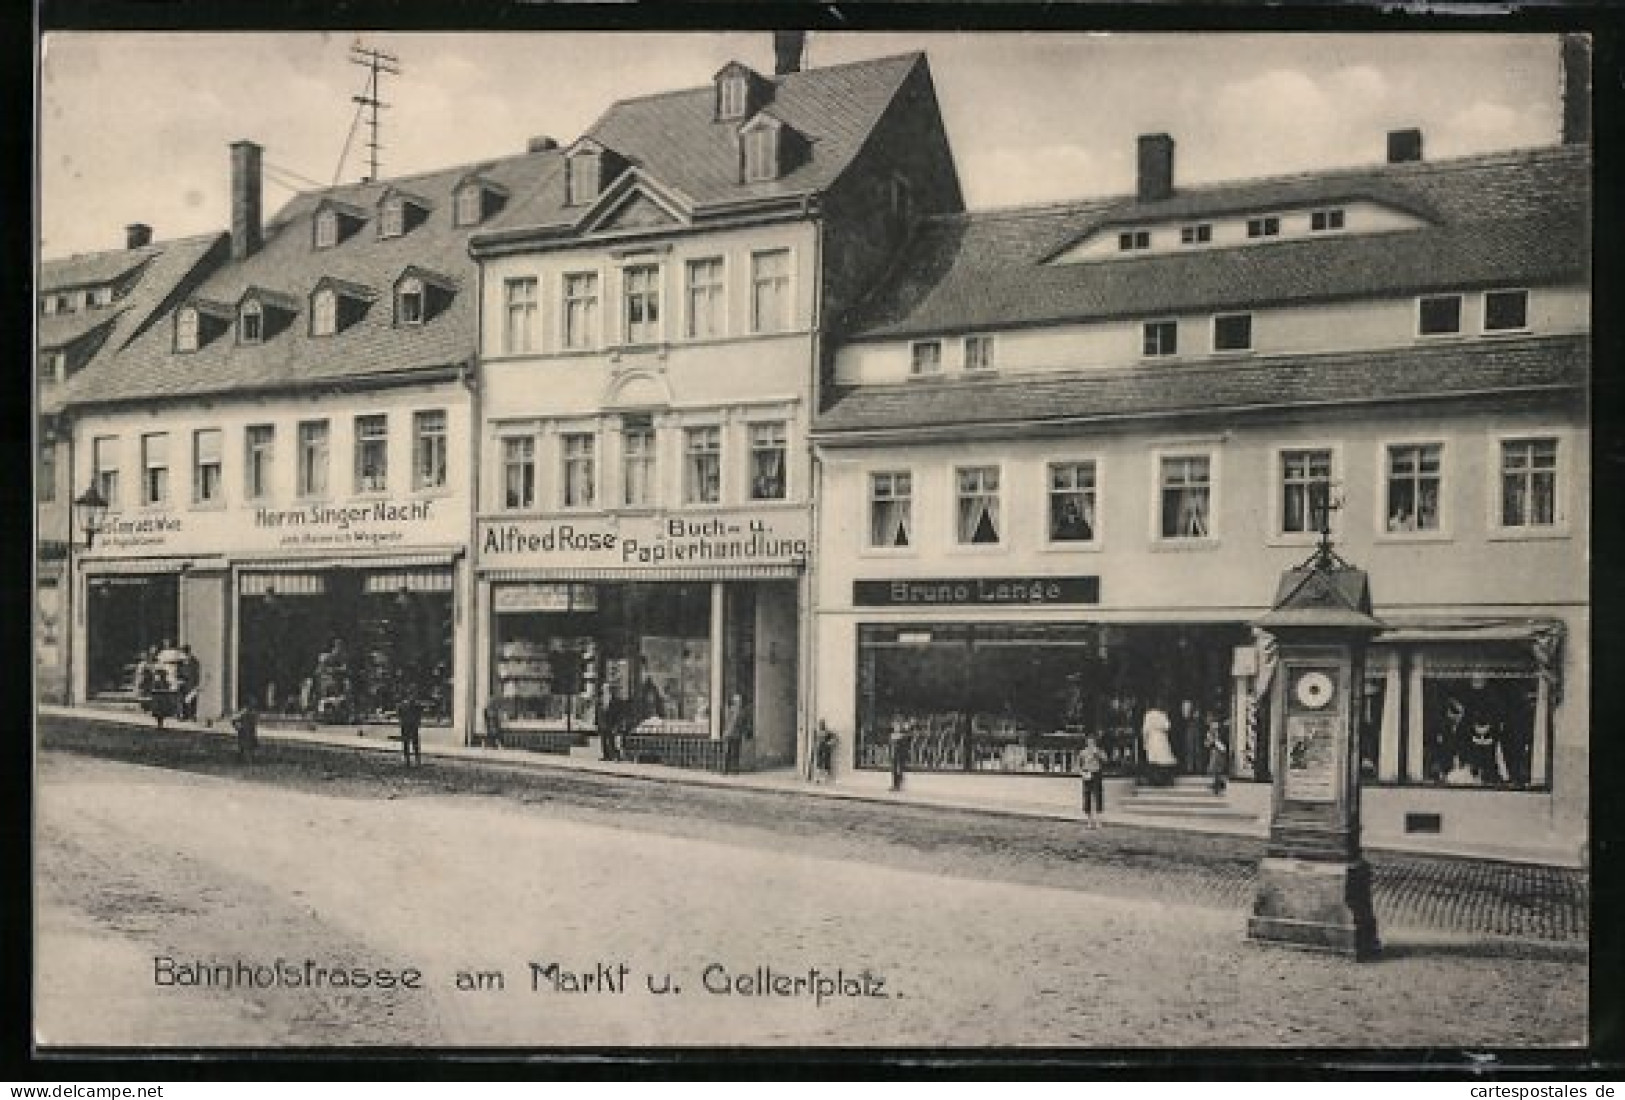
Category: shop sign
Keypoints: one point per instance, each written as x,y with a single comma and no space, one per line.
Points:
978,591
544,597
634,542
121,532
345,525
374,523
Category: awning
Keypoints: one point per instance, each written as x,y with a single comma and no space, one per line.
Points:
1457,631
128,567
675,573
418,559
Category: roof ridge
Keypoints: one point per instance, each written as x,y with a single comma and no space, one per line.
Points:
484,164
672,93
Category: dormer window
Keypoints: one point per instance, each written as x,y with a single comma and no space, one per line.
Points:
1200,233
761,154
186,329
327,229
409,302
400,212
392,220
335,305
732,94
251,323
476,199
1134,240
583,178
740,92
324,312
198,322
421,295
470,205
1263,227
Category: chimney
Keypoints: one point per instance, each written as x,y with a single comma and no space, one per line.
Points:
1576,89
1156,178
1404,146
541,143
137,235
245,199
788,47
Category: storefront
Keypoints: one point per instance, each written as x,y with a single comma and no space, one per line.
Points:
678,639
129,616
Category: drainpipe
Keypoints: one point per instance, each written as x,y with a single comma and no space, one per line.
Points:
469,379
807,598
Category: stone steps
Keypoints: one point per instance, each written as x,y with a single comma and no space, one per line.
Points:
1189,796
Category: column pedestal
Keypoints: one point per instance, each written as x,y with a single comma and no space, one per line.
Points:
1316,905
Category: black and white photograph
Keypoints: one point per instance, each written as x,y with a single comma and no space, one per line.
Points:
586,540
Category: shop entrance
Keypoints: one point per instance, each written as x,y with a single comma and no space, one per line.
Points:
127,616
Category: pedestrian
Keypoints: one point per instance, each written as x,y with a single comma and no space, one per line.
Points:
1218,755
824,755
1092,771
493,725
1160,761
410,712
612,717
247,724
898,741
189,682
733,733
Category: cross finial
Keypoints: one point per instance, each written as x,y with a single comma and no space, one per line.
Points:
1325,557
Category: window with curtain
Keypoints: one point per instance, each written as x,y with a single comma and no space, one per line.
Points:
1072,501
891,500
978,505
641,299
1414,477
519,324
768,475
313,458
581,310
206,448
371,454
259,441
429,449
1187,491
518,472
637,464
705,297
1529,483
1306,478
579,470
702,474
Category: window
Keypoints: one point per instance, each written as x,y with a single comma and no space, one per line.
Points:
1187,497
579,473
1306,480
583,179
47,471
429,449
770,290
637,463
251,324
1529,483
1439,315
104,467
47,305
581,310
761,154
1201,233
371,454
102,296
731,97
409,306
978,488
1161,338
327,229
155,468
89,298
925,357
1072,502
59,367
392,222
1322,221
1506,310
312,479
978,353
1263,227
324,312
702,467
642,299
1134,240
1414,472
259,441
767,461
206,448
518,472
1233,332
705,303
891,505
470,205
519,309
186,329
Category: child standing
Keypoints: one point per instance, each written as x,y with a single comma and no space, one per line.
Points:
1091,769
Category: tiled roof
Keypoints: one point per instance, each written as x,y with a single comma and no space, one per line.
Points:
676,139
1507,218
288,264
1501,367
93,268
61,329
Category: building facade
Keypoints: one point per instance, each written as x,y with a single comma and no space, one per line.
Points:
653,320
1070,450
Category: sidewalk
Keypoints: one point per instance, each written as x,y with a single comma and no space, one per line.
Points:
442,742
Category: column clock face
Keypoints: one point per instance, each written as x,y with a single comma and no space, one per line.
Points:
1314,689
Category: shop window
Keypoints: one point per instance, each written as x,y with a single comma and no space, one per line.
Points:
580,472
978,511
1506,310
891,507
1479,726
1159,338
768,475
637,462
259,452
1529,483
581,310
705,297
978,353
104,464
519,309
207,444
1414,476
155,468
770,290
312,474
1306,478
1186,497
702,465
129,620
429,449
1072,501
518,472
1439,315
371,454
925,358
640,300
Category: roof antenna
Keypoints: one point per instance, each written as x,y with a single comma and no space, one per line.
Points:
376,62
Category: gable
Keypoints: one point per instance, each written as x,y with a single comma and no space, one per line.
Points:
638,211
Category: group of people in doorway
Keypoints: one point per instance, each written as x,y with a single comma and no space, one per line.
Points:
167,681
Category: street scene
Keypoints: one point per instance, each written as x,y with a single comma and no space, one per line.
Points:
1005,931
785,538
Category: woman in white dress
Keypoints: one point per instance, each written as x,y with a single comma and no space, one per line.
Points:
1159,753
